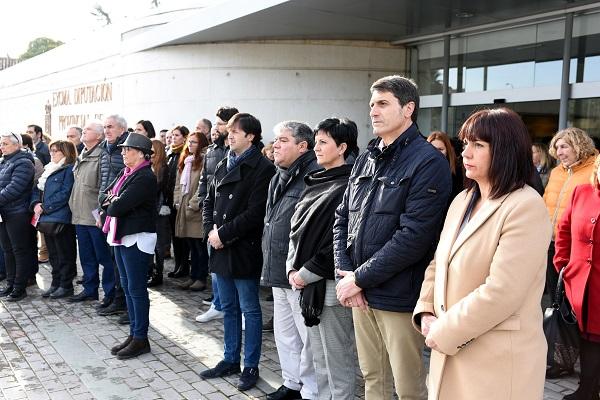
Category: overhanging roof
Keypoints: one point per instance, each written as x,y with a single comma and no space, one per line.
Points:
380,20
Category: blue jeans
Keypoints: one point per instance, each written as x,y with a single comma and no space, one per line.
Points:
241,296
215,288
93,251
133,268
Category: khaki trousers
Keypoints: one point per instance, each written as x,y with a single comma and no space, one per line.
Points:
389,351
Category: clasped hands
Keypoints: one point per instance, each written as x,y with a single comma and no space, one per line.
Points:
214,239
348,293
427,321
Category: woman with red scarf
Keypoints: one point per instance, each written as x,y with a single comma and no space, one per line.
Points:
130,205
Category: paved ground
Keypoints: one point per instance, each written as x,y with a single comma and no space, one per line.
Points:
56,350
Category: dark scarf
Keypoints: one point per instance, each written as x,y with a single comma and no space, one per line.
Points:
234,160
312,233
285,176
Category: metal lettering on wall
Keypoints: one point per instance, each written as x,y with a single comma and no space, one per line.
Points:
100,93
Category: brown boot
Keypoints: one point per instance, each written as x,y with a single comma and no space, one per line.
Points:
121,346
136,348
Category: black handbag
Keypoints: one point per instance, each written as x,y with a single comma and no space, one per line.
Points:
50,228
561,330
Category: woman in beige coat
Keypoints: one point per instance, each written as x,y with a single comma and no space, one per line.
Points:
479,307
188,222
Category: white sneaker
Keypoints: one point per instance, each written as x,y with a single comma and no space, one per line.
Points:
211,314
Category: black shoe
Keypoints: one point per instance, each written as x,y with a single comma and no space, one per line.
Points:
112,309
48,292
207,301
223,368
61,293
6,290
106,301
123,319
155,280
16,295
268,327
181,273
82,296
284,393
172,273
135,348
248,379
115,349
555,372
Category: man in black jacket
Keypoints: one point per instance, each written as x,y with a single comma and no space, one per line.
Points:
385,236
215,153
111,163
294,157
233,214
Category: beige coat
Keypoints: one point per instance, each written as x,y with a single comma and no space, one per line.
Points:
188,222
485,286
84,196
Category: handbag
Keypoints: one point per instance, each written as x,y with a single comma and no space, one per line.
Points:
50,228
561,330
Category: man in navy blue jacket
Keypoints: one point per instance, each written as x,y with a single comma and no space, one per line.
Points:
385,236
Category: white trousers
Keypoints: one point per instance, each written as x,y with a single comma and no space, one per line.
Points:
293,343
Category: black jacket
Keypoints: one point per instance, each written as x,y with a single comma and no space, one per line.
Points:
135,209
111,161
386,226
215,153
16,182
236,204
280,208
172,163
42,152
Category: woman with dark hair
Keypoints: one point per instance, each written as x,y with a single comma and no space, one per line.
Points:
51,207
441,141
188,223
130,205
163,231
17,236
310,265
181,250
578,252
479,307
145,127
542,161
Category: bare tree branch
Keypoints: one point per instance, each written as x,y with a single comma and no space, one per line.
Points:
101,15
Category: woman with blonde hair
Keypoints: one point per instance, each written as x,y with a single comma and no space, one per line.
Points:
542,161
575,152
578,253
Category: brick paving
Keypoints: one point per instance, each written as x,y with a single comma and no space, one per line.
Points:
52,349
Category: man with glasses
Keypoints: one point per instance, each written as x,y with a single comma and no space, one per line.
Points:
42,152
111,163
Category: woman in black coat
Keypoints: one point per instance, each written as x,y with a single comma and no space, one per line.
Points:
310,263
130,205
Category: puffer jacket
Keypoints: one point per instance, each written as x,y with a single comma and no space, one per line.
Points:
280,209
214,154
111,161
55,196
16,182
561,184
84,196
387,224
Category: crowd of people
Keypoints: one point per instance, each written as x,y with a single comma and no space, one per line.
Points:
417,242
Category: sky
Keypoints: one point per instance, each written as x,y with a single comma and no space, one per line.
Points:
21,21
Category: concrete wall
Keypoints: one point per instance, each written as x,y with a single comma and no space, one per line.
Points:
180,84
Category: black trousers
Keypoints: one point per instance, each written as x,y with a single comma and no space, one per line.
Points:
181,251
62,252
551,274
163,239
18,240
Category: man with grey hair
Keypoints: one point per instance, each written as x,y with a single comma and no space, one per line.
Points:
93,249
73,135
294,158
111,163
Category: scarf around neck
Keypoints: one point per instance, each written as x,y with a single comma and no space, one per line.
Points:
127,172
234,160
177,149
49,169
186,174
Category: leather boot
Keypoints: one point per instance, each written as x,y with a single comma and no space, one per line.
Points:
155,280
121,346
589,354
135,348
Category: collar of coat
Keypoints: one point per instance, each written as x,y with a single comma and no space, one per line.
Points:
236,173
376,152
